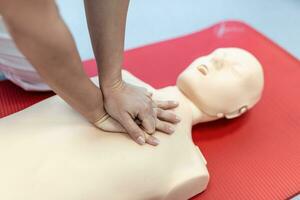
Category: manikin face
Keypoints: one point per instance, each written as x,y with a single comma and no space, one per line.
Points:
225,83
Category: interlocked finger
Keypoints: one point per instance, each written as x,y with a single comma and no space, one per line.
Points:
165,127
167,115
165,105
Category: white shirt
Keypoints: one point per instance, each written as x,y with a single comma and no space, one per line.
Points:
15,66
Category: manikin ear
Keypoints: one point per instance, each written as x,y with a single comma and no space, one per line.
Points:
220,115
231,116
240,112
243,109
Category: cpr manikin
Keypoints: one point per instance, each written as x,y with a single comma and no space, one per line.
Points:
48,151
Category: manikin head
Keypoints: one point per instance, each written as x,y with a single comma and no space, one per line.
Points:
225,83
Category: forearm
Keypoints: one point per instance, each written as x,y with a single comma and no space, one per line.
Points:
43,38
106,20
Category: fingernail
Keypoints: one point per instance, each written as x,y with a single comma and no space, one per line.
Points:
141,140
171,129
178,118
156,141
175,102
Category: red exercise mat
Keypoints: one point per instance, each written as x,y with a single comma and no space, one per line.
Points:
14,98
256,156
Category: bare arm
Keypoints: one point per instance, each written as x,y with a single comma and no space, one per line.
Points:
106,21
124,102
43,38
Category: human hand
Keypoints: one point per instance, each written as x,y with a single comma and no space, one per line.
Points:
126,104
164,122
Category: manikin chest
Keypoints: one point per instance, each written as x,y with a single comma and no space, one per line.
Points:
49,152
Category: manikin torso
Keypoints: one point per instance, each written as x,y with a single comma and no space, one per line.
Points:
48,151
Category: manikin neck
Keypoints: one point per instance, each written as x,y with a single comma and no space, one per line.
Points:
198,115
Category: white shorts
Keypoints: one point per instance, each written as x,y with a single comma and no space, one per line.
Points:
15,66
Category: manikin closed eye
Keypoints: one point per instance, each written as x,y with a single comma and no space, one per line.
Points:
203,69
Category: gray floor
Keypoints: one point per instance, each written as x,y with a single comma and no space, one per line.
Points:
156,20
296,197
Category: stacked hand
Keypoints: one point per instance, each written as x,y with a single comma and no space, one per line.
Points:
131,110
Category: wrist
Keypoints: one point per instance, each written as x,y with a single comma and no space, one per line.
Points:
96,109
107,87
110,79
94,117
